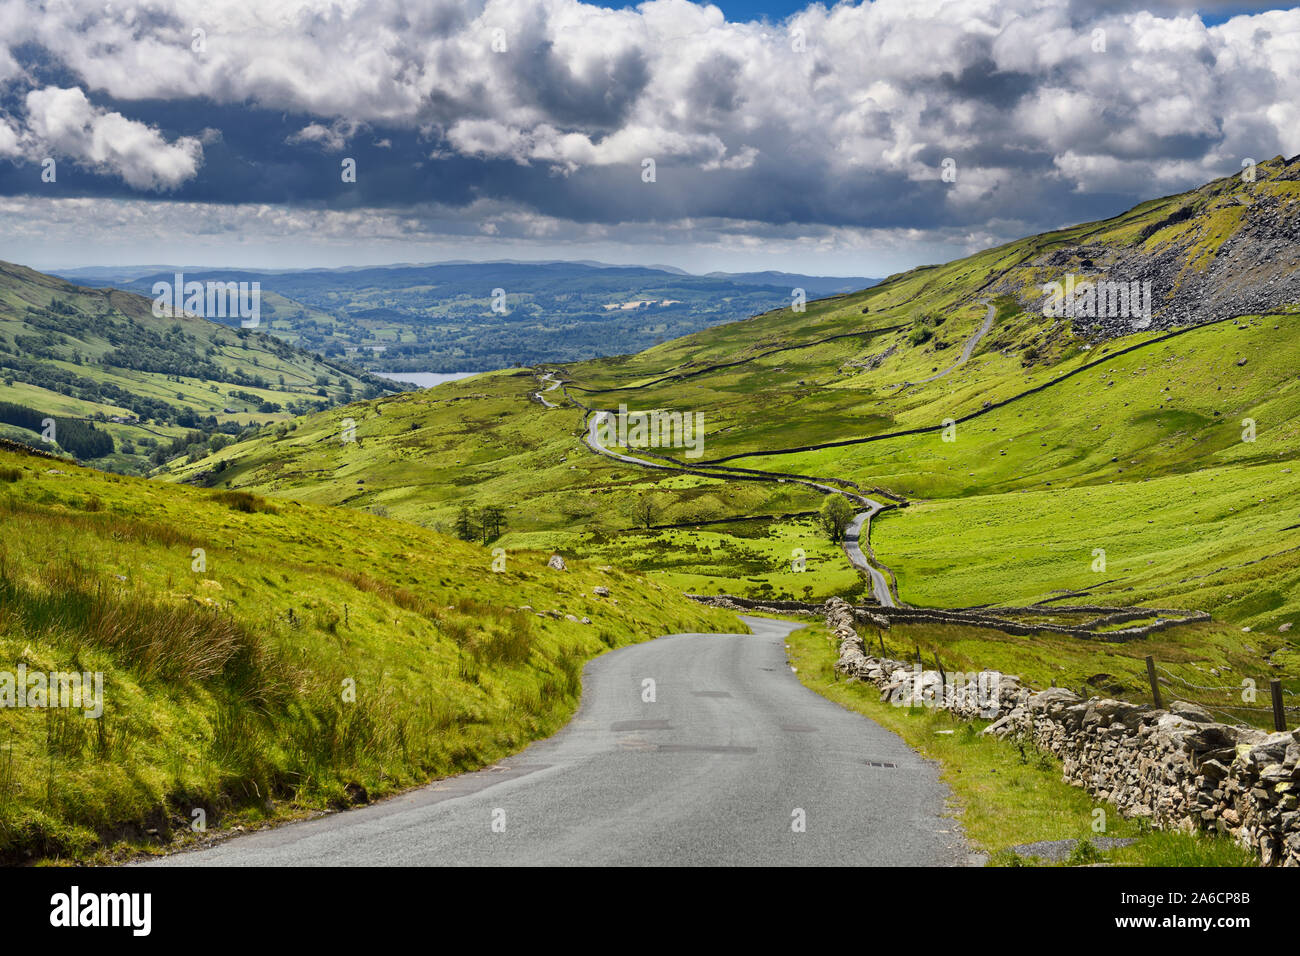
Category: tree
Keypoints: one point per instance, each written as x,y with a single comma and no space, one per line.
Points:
492,518
466,524
645,510
836,515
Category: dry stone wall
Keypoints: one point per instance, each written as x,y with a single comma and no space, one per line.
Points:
1177,767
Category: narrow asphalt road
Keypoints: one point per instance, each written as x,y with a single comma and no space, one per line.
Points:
732,754
967,350
555,383
852,547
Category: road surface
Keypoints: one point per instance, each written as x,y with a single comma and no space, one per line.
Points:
853,548
555,383
711,773
967,350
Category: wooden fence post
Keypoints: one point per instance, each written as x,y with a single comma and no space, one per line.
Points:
1155,685
1279,713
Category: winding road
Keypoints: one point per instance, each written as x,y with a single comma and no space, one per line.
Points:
720,770
555,383
859,529
880,589
967,350
852,547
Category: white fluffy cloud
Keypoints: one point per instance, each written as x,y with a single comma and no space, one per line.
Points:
842,113
64,123
675,75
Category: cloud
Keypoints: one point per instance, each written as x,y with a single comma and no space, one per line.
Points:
66,124
331,139
838,117
87,231
9,140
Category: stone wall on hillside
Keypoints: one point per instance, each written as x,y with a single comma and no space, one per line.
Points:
1102,616
733,603
1177,767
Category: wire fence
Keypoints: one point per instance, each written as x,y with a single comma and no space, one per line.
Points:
1225,709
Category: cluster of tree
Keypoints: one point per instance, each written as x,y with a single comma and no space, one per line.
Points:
72,435
146,357
646,510
484,524
60,317
41,346
66,382
195,444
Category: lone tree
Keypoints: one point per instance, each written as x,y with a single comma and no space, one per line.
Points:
645,509
836,516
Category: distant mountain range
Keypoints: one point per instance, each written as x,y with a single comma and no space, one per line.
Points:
478,316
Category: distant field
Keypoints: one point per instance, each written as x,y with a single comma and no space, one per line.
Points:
99,354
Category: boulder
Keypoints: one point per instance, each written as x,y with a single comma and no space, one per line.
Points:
557,563
1190,711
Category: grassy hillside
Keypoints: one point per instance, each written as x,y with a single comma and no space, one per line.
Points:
315,656
100,355
1171,447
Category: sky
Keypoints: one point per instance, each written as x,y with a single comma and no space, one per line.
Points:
850,139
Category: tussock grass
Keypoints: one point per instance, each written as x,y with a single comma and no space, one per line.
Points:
245,501
170,641
282,678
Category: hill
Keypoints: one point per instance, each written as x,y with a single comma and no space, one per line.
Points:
151,388
448,317
1015,445
265,658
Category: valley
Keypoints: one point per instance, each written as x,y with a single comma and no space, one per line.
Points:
1171,449
100,360
482,316
477,542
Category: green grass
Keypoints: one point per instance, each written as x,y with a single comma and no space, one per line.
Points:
227,688
51,329
1006,795
1134,446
